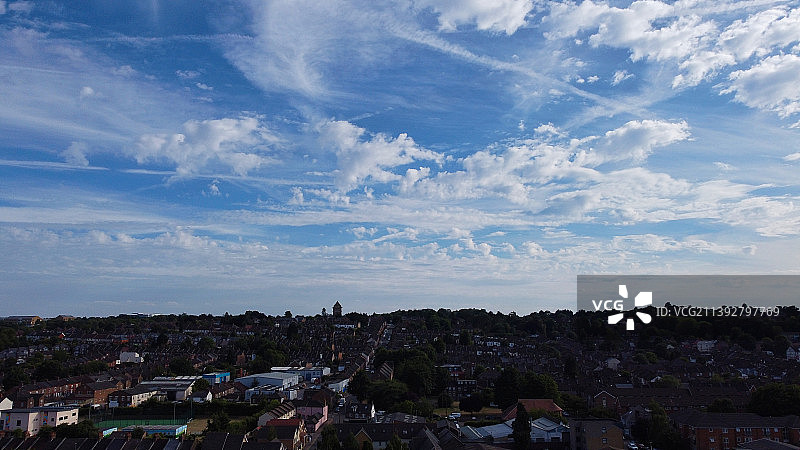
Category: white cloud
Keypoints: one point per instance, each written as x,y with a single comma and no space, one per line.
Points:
238,144
792,157
24,7
761,32
687,37
620,76
362,232
2,7
296,44
548,128
86,92
359,159
297,196
213,189
494,15
773,84
723,166
187,74
636,139
632,27
76,154
204,86
124,71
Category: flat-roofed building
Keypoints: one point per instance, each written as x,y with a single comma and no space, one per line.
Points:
281,380
31,420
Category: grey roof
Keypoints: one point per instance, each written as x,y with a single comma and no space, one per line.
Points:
733,420
767,444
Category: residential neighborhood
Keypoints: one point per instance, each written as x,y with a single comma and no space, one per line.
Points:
410,379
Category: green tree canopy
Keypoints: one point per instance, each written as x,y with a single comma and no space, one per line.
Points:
521,429
776,399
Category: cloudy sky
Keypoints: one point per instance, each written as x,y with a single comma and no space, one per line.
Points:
203,157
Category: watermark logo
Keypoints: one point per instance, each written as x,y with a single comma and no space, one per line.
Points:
685,296
643,298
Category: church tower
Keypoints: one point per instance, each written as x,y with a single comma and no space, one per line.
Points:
337,310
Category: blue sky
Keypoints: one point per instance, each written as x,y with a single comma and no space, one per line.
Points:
204,157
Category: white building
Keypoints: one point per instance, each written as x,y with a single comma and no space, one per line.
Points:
172,388
129,357
281,380
706,346
339,385
306,373
31,420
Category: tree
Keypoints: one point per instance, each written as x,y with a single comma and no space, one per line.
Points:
44,432
658,431
219,422
510,381
775,399
137,433
668,381
423,408
162,340
540,386
472,403
82,429
201,385
521,429
350,442
206,344
293,331
366,445
406,406
444,400
396,444
329,440
181,366
722,405
386,394
14,376
360,385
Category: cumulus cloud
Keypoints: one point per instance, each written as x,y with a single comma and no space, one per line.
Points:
632,27
773,84
360,159
761,32
237,144
76,154
362,232
505,16
693,42
550,176
636,139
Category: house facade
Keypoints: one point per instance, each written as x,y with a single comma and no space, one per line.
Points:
31,420
722,431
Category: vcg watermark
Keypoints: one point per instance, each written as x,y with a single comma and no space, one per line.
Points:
702,295
644,298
